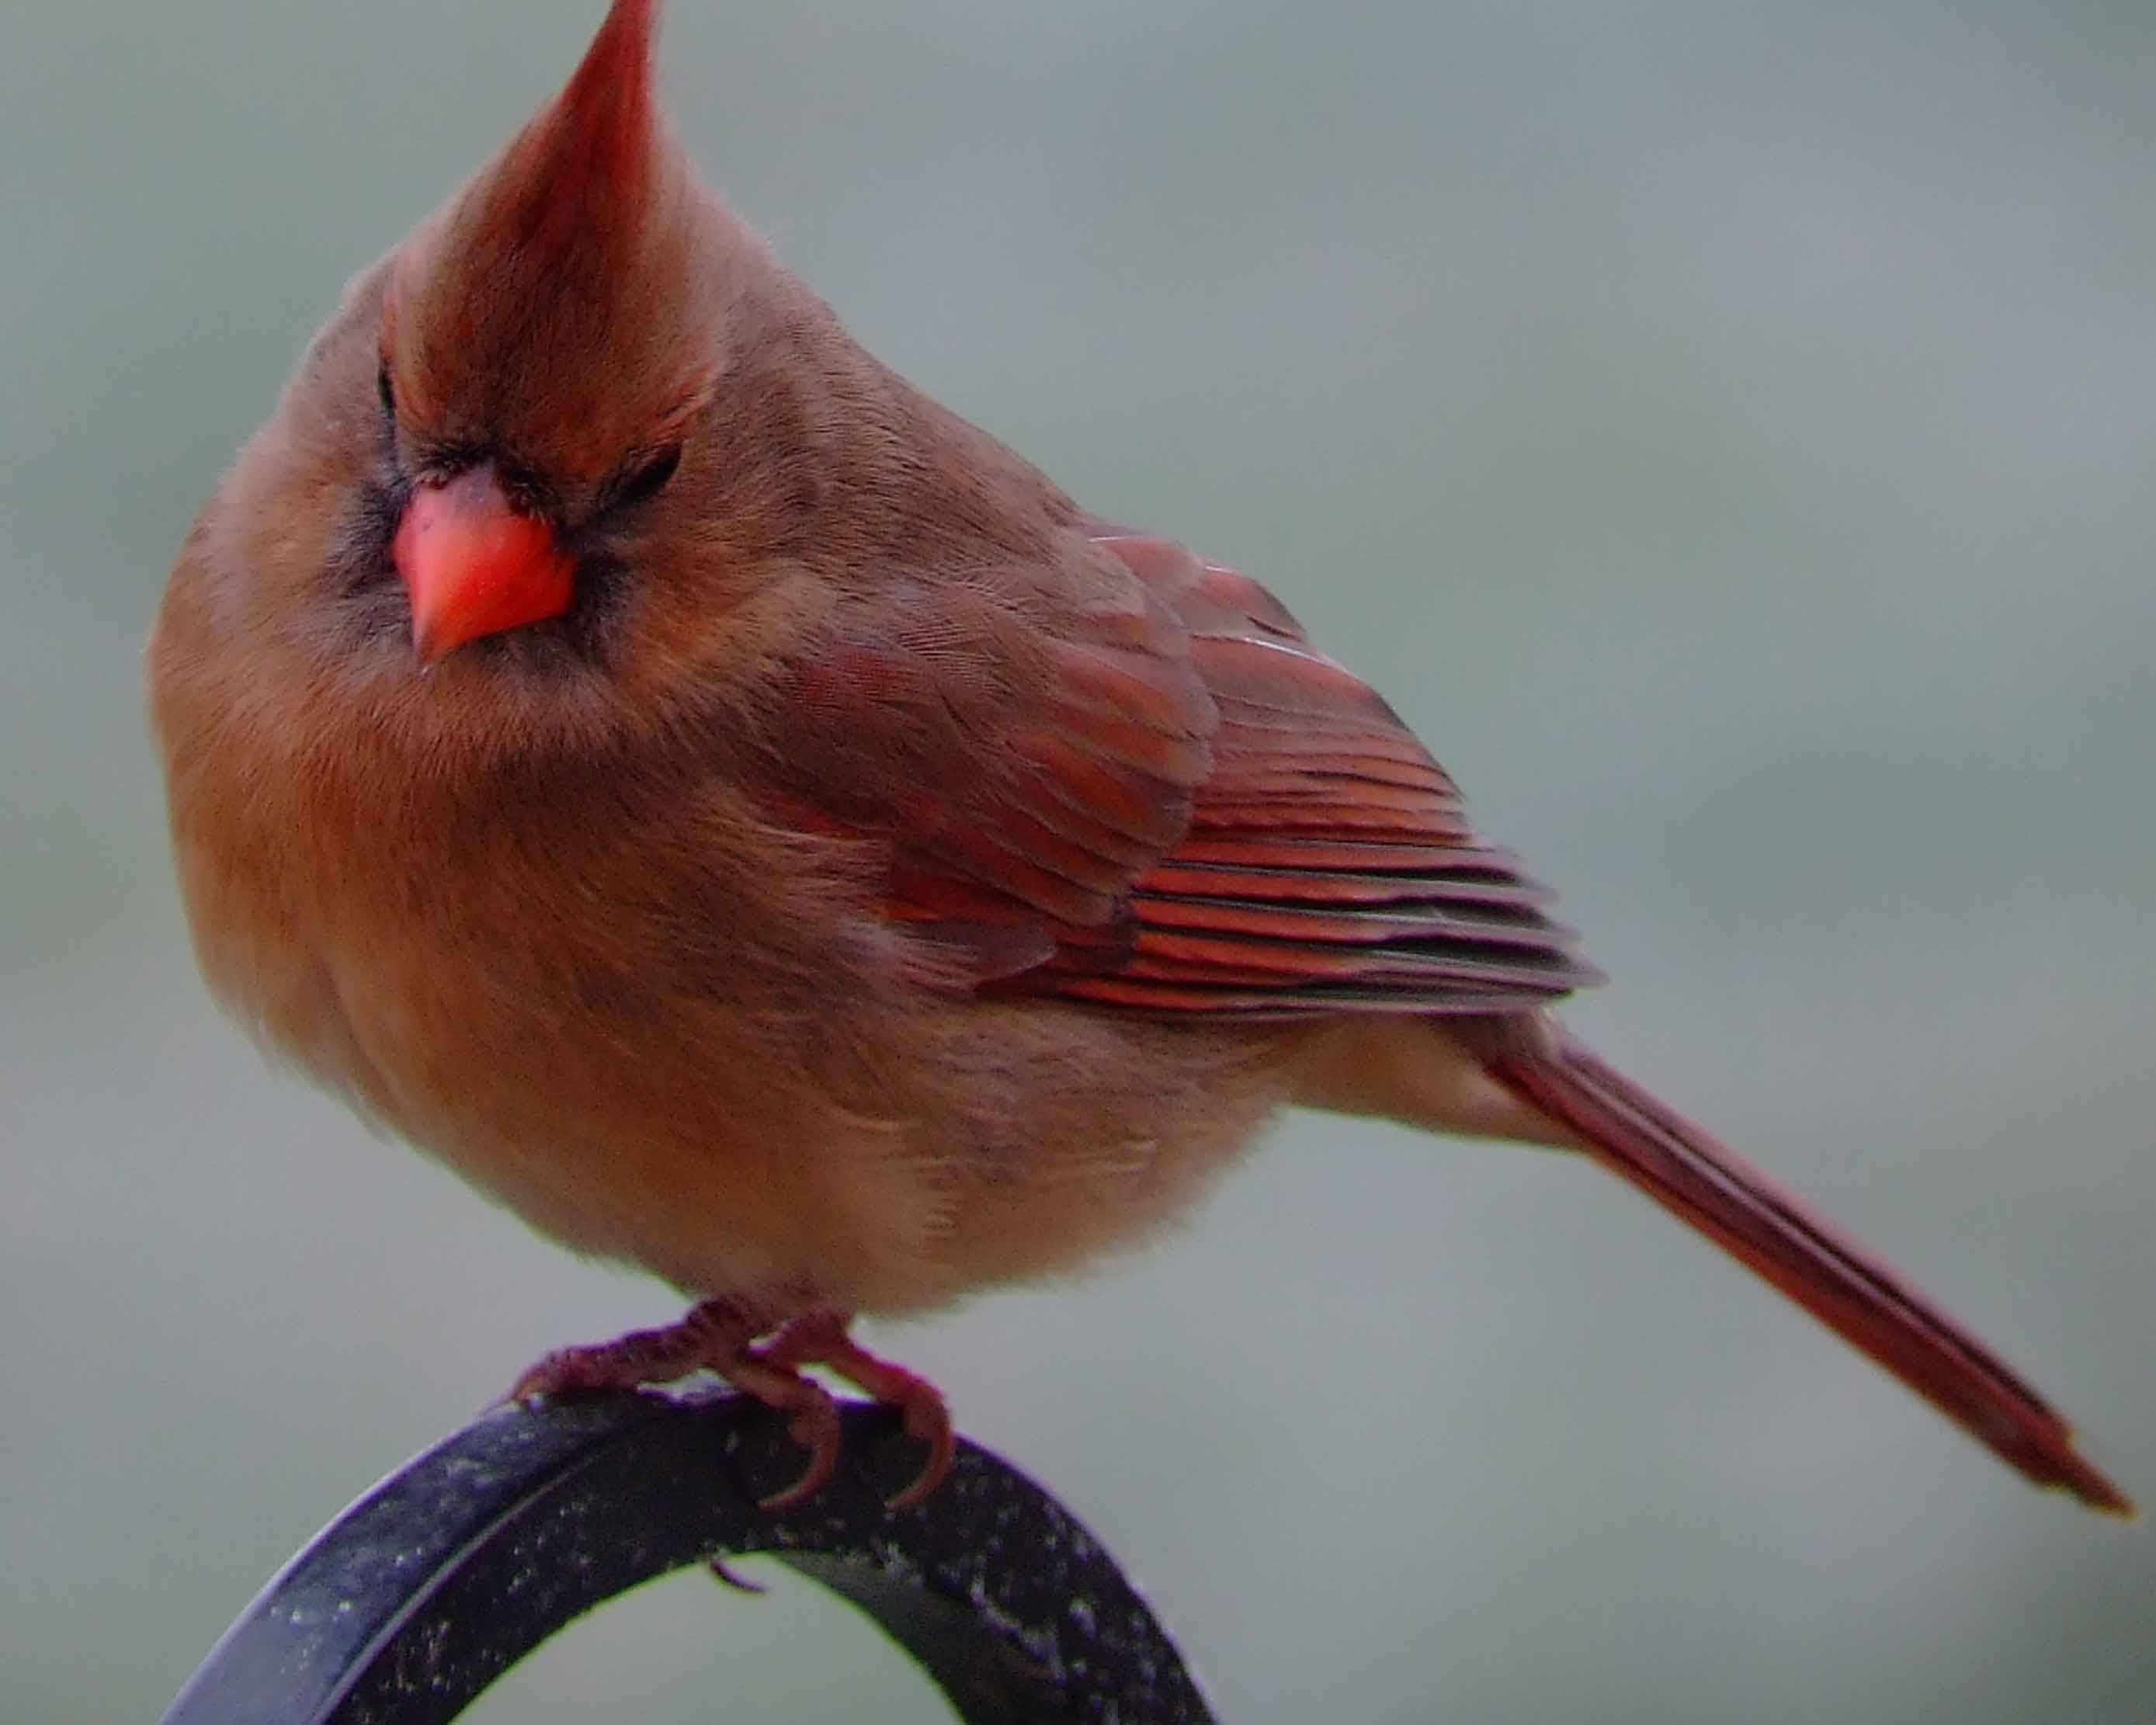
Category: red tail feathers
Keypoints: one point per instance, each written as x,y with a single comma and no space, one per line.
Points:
1762,1225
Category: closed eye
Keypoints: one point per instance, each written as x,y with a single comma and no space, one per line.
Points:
646,479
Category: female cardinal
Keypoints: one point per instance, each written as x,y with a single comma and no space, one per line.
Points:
626,741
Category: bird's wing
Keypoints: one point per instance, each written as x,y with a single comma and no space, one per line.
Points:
1158,795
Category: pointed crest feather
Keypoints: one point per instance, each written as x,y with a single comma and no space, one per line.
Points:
586,162
546,304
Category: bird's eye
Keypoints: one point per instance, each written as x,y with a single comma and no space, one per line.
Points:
647,479
386,390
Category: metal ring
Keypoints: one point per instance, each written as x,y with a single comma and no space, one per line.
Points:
407,1606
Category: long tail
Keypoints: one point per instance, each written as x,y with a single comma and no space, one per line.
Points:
1764,1226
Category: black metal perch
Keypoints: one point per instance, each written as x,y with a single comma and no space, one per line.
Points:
428,1587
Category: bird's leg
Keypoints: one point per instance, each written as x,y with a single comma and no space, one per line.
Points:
717,1336
820,1338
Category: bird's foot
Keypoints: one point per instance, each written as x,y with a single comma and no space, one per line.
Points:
820,1338
720,1336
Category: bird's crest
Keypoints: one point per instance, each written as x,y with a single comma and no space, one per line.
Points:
557,267
583,168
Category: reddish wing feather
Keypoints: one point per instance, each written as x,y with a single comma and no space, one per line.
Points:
1194,808
1329,865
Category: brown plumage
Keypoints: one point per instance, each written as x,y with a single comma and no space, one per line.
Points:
636,748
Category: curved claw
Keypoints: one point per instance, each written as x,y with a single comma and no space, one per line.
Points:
564,1372
929,1420
933,1469
814,1478
811,1420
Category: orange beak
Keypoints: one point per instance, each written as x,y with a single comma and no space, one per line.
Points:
473,566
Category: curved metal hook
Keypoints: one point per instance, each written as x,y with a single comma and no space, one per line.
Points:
446,1575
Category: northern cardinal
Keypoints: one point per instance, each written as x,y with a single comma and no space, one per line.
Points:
630,743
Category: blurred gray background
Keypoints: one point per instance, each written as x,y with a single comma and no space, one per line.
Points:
1728,432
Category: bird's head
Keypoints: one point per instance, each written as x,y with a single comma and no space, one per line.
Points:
574,446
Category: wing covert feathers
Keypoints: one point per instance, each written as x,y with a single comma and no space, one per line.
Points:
1328,864
1123,775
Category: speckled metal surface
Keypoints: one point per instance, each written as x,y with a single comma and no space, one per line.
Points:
451,1570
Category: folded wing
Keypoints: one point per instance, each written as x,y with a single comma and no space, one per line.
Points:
1134,781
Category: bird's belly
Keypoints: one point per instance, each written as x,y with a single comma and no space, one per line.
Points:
600,1131
890,1153
713,1165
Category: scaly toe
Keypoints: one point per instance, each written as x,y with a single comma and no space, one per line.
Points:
711,1335
564,1372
